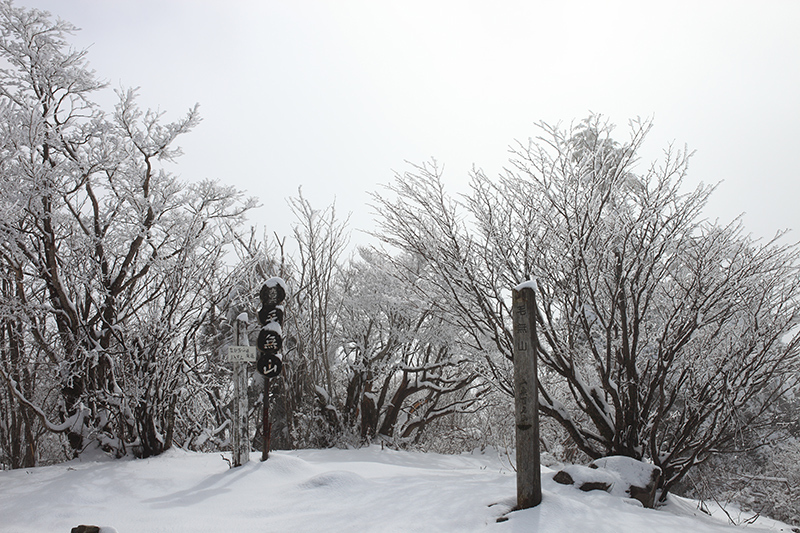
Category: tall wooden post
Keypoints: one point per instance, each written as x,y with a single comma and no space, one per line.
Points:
526,397
266,427
241,433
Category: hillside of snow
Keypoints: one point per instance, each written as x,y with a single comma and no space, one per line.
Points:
364,490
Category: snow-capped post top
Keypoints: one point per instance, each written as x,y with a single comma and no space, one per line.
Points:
273,291
530,284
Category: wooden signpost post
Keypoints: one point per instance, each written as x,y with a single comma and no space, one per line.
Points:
240,355
269,344
526,397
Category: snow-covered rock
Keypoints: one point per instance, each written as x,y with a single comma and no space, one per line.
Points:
618,475
586,478
639,479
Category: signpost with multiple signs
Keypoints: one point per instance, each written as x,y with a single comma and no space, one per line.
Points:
269,344
267,356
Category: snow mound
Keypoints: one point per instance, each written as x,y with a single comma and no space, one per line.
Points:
287,466
336,480
630,470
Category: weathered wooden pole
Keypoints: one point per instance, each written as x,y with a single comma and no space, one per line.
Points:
241,433
526,396
266,427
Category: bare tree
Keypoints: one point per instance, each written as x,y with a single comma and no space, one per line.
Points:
116,263
321,238
660,333
403,368
313,310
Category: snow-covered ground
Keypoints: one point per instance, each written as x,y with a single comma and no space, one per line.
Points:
314,491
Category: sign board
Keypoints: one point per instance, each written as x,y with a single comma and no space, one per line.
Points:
269,365
241,354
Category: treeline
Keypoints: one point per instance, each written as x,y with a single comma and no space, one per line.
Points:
663,336
119,288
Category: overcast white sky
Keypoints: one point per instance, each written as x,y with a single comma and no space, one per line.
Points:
334,95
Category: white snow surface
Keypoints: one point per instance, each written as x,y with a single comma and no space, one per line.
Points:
630,470
273,326
365,490
530,284
275,281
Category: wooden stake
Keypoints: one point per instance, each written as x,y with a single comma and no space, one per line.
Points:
241,437
266,428
526,397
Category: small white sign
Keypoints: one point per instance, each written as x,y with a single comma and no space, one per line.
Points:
241,354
